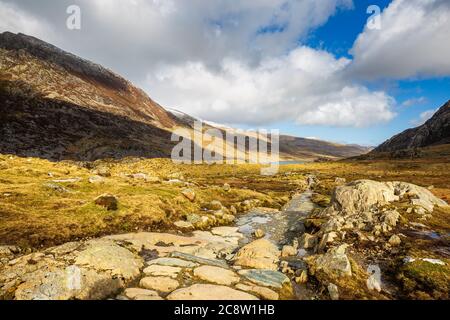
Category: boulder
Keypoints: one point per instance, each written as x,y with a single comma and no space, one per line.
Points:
395,240
333,291
96,179
307,241
260,254
333,264
216,275
226,187
184,225
209,292
108,201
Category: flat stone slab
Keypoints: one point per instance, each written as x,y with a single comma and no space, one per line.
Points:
209,292
267,278
200,260
173,262
263,292
163,284
162,271
216,275
132,293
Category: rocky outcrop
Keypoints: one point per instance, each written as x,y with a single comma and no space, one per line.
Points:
433,132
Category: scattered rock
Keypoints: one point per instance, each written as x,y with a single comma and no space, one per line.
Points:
96,179
103,172
216,275
189,194
184,225
259,233
214,205
108,201
307,241
162,284
333,291
374,280
288,251
395,240
302,278
334,263
226,187
209,292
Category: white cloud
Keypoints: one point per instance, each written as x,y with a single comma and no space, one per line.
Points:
414,101
413,41
424,117
304,86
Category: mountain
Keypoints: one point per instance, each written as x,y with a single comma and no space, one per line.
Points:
436,131
58,106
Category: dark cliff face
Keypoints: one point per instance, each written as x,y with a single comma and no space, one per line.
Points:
435,131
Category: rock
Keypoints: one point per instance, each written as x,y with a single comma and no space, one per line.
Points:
226,232
260,254
214,205
333,291
259,233
70,180
262,292
288,251
162,284
162,271
326,239
267,278
147,297
96,179
189,194
103,172
391,217
132,293
199,260
302,278
340,180
108,256
334,263
226,187
209,292
184,225
173,262
233,210
108,201
395,240
307,241
216,275
193,218
138,176
374,280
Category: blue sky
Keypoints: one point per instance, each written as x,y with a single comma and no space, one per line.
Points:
309,68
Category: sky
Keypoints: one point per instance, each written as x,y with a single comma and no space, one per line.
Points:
325,69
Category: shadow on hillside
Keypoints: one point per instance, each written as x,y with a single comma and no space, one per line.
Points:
35,126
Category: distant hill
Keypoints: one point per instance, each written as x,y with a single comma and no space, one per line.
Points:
57,106
436,131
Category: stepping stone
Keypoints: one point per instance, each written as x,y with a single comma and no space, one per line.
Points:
132,293
162,271
263,292
173,262
216,275
267,278
200,260
163,284
227,232
209,292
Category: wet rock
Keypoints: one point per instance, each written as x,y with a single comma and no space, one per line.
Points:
189,194
260,254
267,278
108,201
199,260
162,284
216,275
209,292
262,292
173,262
162,271
333,291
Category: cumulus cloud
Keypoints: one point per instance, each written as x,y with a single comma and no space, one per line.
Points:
413,41
304,86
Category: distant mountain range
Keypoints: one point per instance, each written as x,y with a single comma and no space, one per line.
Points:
58,106
436,131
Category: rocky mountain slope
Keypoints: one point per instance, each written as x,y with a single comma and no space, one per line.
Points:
436,131
57,106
